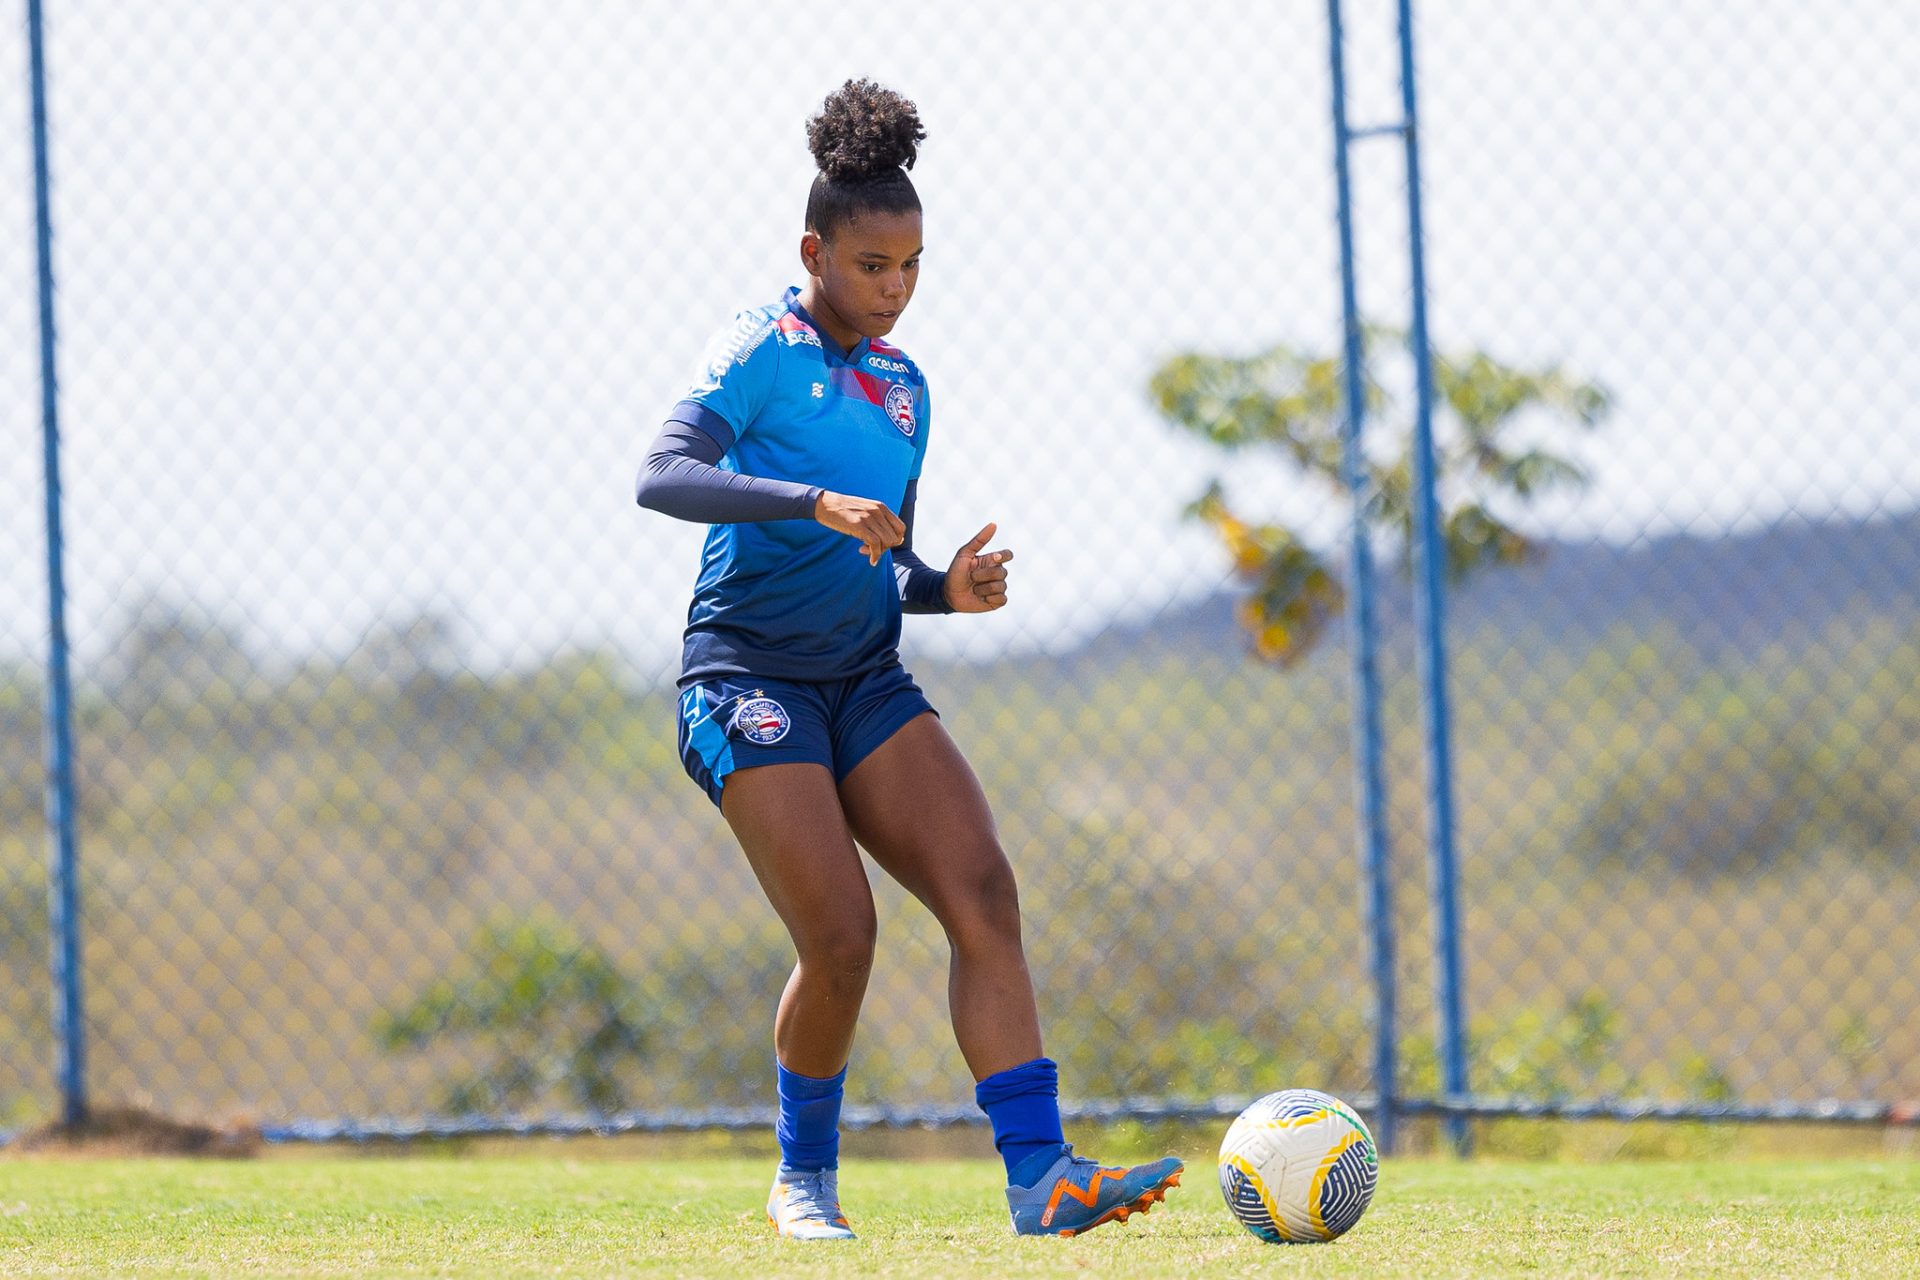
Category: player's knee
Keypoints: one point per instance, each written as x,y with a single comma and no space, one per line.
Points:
842,954
988,910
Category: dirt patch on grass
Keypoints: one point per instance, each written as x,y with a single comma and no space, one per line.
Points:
134,1131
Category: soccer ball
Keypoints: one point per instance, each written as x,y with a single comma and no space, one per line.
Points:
1298,1166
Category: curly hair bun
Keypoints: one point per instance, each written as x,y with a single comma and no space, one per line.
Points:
864,132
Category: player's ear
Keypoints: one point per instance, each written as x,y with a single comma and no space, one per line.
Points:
811,247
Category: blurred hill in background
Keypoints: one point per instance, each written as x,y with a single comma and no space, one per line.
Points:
1725,594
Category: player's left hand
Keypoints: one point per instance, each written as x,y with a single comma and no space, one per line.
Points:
976,582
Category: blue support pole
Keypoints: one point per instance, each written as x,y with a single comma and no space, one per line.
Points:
1430,605
63,894
1370,786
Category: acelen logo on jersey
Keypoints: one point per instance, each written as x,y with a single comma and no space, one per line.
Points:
891,366
900,408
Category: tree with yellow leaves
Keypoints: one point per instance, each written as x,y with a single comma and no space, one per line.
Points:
1288,401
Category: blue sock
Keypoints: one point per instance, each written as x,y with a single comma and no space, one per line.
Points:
1023,1103
809,1123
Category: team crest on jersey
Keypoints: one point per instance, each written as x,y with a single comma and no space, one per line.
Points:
899,408
762,720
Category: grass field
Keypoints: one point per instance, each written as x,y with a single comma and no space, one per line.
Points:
554,1215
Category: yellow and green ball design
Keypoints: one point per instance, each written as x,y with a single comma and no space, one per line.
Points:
1298,1167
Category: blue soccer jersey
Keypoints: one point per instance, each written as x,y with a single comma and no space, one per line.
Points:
792,599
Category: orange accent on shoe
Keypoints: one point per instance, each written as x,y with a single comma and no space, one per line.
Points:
1089,1197
1119,1212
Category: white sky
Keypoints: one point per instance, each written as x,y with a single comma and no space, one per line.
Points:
365,306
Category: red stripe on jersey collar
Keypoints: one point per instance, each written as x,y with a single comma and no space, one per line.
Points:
827,342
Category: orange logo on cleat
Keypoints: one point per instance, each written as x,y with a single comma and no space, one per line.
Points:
1089,1197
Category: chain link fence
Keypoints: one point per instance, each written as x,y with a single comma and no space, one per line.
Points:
367,315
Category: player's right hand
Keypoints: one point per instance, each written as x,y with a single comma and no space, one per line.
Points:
873,523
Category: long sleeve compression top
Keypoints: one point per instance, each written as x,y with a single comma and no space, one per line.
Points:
679,479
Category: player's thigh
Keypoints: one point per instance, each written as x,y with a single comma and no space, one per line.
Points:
788,820
763,752
916,805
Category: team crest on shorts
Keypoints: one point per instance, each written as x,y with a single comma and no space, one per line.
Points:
762,720
900,408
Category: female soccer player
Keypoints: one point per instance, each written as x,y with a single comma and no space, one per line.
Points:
801,444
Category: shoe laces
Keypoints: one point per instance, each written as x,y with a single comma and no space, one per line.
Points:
813,1194
1083,1164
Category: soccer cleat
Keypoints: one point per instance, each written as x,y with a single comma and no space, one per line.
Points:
1076,1194
805,1205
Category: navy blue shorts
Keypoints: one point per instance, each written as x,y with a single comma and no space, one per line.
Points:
737,722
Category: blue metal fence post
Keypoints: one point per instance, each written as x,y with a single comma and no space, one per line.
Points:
1369,781
63,895
1430,605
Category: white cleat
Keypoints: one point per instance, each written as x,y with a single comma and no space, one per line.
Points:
805,1205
